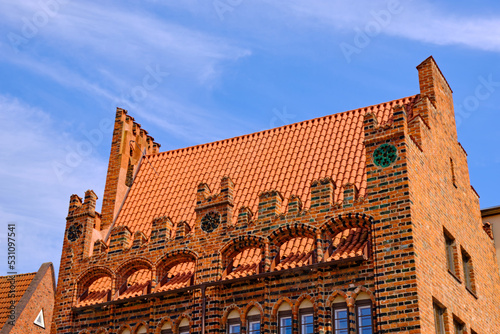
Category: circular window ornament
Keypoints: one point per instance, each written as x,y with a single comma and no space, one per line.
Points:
385,155
210,222
74,232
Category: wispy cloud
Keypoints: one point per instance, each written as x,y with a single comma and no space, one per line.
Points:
103,50
421,21
33,195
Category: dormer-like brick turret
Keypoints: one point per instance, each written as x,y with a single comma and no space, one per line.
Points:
129,143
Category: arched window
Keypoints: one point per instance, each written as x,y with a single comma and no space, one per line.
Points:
166,328
178,276
340,315
306,317
253,321
125,331
285,319
95,291
296,252
234,322
364,316
142,330
138,283
184,326
247,262
350,243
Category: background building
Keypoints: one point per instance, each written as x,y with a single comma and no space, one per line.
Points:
363,220
491,219
27,301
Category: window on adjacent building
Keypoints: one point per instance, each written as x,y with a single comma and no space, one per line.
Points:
340,318
364,317
459,327
439,319
468,271
450,253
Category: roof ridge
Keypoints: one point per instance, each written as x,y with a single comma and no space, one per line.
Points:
279,127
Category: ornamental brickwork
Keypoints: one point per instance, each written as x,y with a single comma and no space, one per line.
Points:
344,212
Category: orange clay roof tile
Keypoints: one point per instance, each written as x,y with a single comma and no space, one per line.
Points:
22,283
245,263
97,292
295,253
136,283
349,243
255,162
179,276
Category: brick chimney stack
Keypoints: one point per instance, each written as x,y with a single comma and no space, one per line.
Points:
128,144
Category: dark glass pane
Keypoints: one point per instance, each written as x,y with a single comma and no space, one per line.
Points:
366,331
234,329
307,319
308,329
341,314
341,323
254,327
286,322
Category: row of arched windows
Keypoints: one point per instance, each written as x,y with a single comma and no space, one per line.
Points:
346,317
240,259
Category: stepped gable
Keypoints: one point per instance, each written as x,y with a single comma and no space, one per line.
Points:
287,159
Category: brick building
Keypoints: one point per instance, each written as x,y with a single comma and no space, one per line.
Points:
27,301
361,222
491,220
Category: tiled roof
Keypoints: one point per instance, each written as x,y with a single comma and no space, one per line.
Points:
98,292
137,283
22,282
179,276
349,243
296,252
286,159
245,263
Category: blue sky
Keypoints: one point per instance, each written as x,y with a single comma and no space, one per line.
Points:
196,71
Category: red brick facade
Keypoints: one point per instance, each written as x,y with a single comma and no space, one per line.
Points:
363,223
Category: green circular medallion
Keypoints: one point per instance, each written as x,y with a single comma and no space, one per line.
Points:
385,155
